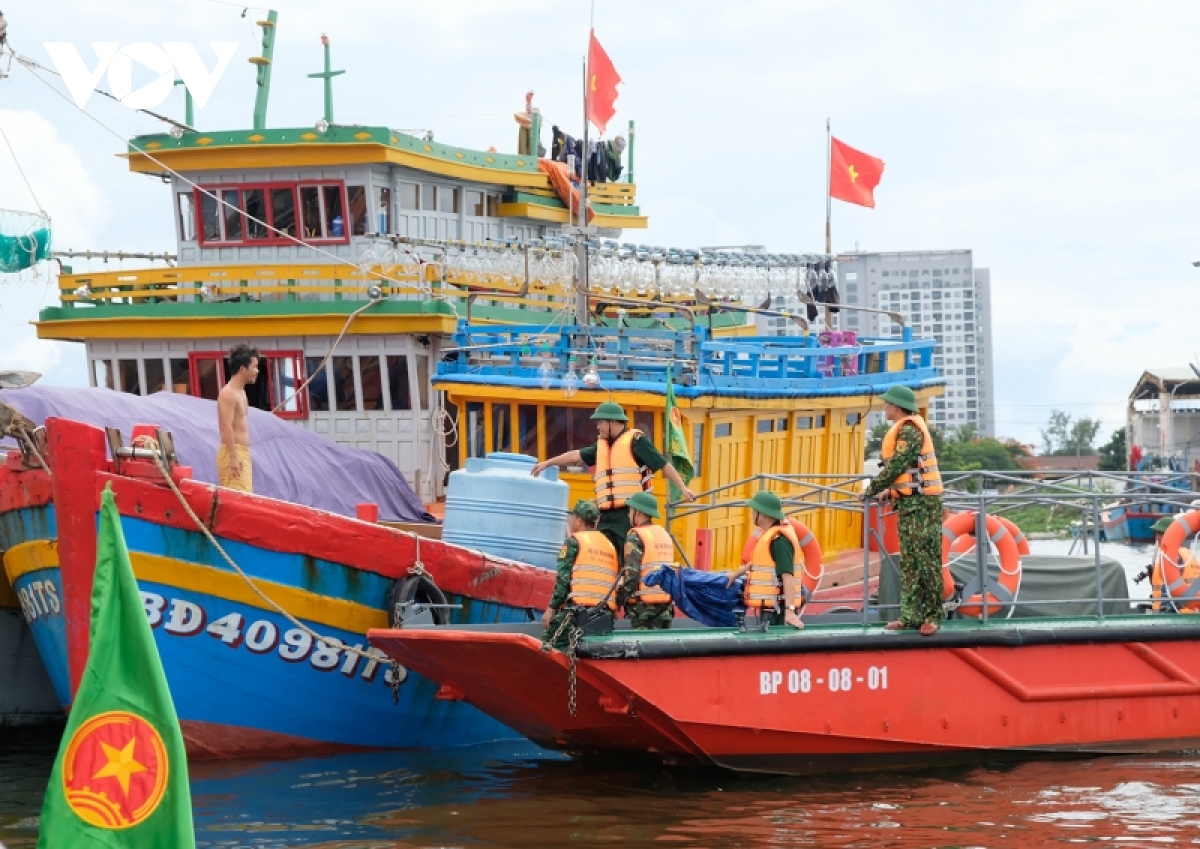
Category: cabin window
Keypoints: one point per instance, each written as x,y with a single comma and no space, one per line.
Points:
428,197
475,203
527,429
271,214
128,373
397,366
447,200
493,206
372,383
820,422
422,363
283,211
643,420
357,201
181,377
781,424
697,448
765,426
210,221
318,387
341,375
568,428
310,212
410,196
255,201
501,427
383,210
102,374
853,418
277,371
232,215
282,370
803,422
208,376
475,429
334,216
156,379
722,430
186,203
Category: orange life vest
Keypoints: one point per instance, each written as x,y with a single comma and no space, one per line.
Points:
595,570
618,474
762,585
924,478
657,550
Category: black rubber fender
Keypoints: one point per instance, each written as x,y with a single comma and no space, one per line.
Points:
422,589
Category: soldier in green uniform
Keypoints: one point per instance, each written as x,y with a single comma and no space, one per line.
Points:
646,608
910,479
557,618
612,430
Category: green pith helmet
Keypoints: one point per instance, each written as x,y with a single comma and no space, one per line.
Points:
767,503
1160,527
902,397
644,502
610,411
587,511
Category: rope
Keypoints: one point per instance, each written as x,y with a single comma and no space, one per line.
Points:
336,342
332,642
21,171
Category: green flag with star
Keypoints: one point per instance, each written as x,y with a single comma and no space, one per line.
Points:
675,443
120,780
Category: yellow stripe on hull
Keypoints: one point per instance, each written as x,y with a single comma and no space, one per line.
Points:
335,613
79,329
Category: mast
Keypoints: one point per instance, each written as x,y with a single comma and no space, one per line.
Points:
264,69
828,188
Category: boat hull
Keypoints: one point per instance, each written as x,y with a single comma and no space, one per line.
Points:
1124,525
246,681
837,697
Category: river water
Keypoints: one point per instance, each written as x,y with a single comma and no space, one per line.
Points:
516,795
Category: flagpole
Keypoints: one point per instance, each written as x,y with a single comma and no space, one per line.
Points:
828,188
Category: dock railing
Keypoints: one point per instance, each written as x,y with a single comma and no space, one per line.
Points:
1086,494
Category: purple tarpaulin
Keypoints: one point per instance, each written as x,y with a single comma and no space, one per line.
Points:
290,463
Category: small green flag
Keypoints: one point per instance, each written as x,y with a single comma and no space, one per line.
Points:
676,448
120,779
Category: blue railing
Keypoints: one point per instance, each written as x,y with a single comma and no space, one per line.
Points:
638,359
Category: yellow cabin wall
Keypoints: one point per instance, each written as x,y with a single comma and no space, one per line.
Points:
736,444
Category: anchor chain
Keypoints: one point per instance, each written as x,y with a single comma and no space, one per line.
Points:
572,655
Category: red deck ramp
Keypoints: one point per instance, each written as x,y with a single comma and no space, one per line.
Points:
510,677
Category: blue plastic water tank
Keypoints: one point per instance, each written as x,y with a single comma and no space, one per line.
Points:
495,505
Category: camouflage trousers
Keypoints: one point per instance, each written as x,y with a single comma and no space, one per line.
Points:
558,634
920,522
649,617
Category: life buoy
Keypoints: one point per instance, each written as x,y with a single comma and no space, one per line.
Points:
1018,536
1186,595
812,569
999,594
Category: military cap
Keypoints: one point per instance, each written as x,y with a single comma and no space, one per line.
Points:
586,510
902,397
610,411
644,502
767,503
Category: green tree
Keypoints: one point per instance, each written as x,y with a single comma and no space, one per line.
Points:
874,443
1057,433
1112,453
986,454
1081,438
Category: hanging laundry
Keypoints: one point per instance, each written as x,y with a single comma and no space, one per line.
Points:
613,151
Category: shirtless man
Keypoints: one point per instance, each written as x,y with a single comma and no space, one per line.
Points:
233,457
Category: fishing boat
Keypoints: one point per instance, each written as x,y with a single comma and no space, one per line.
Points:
259,606
1080,671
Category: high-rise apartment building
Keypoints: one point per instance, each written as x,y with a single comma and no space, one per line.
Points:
940,295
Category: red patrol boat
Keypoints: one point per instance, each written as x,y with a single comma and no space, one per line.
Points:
1040,668
832,697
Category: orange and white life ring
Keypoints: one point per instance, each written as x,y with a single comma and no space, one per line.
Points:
1000,594
812,569
1185,593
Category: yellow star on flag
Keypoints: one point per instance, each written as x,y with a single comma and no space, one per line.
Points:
853,174
120,764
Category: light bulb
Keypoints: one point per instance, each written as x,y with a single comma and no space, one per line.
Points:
545,373
591,377
322,126
83,291
570,381
176,131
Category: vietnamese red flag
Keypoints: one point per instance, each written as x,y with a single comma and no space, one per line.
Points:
853,175
601,85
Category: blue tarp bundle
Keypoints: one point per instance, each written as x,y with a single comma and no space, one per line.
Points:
290,463
703,596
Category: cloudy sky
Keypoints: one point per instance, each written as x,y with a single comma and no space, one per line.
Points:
1057,140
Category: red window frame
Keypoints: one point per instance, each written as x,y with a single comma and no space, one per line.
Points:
297,358
267,188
